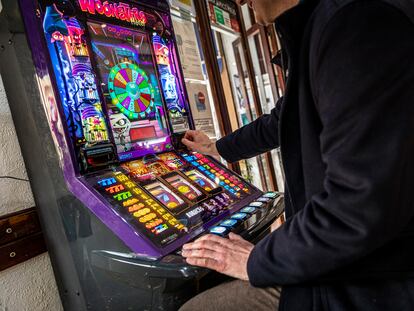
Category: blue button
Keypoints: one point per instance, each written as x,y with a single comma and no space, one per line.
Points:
249,210
257,204
229,223
271,195
240,216
219,230
264,199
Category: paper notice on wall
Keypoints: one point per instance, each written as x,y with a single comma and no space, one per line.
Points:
222,17
200,108
186,5
223,13
188,49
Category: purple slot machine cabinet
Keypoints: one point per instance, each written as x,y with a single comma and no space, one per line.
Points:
100,127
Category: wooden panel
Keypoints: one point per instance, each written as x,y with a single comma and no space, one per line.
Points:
21,250
21,238
17,225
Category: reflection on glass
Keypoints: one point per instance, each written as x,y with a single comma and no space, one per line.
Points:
193,66
267,99
239,98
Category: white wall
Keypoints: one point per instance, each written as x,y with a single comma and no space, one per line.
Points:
29,286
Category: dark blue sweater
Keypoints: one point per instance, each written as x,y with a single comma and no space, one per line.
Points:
346,131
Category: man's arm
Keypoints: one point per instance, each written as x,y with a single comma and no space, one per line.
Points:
255,138
364,94
252,139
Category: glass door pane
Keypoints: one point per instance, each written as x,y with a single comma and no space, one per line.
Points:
267,96
236,83
195,77
265,78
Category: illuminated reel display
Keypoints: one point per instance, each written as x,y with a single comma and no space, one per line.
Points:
139,209
130,90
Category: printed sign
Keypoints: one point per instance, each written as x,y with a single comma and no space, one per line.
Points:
188,49
224,13
200,108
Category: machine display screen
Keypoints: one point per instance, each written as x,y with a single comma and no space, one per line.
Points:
126,68
164,195
202,181
184,187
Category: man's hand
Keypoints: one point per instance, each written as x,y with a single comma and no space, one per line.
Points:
199,142
227,256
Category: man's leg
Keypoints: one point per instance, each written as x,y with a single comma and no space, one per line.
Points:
235,295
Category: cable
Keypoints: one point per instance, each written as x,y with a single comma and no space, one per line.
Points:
15,178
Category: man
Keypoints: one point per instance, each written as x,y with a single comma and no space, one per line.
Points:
346,131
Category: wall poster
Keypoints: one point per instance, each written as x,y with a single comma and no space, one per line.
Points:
200,108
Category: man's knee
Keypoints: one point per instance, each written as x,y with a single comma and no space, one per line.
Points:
236,295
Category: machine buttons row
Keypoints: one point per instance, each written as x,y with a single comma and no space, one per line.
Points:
245,218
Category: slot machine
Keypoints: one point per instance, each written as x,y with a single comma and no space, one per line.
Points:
99,102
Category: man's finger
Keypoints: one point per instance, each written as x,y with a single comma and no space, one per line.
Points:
236,237
210,245
206,263
188,143
203,253
189,134
217,239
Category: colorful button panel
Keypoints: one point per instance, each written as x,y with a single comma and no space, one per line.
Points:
216,205
148,216
244,218
223,178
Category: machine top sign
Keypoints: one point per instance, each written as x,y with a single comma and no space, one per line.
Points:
121,11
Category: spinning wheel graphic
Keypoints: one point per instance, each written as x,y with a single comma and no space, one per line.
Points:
130,90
